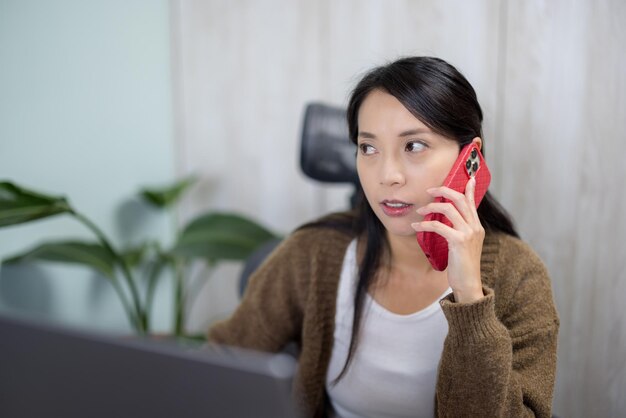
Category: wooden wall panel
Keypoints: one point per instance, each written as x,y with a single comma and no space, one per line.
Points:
562,169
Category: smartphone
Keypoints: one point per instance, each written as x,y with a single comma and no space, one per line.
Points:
470,163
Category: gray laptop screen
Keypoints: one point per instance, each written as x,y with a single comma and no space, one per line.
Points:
47,371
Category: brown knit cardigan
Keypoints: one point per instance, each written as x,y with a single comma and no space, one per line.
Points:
499,357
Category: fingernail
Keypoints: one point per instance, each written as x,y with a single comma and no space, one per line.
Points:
415,225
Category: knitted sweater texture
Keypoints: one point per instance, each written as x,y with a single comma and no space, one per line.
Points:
499,357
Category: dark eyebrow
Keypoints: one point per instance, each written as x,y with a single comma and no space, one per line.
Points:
367,135
410,132
414,132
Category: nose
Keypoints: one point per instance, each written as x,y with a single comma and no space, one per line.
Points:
392,172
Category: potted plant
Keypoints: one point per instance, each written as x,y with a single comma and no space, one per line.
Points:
210,237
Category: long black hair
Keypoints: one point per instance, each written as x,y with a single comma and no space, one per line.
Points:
438,95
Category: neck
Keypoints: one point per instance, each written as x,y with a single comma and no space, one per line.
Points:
407,255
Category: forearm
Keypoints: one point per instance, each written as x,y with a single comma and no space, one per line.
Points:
485,372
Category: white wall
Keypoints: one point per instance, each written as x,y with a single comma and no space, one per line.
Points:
550,75
85,111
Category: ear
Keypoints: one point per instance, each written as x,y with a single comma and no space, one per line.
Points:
478,142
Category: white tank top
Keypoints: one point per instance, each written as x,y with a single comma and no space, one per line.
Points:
394,370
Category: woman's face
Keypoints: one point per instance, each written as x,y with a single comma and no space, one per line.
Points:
398,159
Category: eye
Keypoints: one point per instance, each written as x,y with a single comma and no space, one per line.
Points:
367,149
415,146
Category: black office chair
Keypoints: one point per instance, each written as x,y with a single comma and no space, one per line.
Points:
326,155
326,152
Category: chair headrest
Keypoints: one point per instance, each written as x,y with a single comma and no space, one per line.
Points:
326,152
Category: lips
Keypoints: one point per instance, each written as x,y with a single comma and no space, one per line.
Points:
396,208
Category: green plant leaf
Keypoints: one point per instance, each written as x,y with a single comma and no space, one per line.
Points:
221,236
87,254
134,256
19,205
167,196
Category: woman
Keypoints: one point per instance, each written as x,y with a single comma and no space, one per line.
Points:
382,333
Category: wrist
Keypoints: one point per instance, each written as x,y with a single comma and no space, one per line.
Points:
468,295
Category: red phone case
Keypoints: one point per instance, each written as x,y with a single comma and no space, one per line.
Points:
468,164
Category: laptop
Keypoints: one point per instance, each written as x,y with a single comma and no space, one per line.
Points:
51,371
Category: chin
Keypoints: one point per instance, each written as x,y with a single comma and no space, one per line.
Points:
407,232
399,227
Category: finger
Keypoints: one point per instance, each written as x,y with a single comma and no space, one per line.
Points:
448,233
460,201
448,210
470,189
446,192
470,194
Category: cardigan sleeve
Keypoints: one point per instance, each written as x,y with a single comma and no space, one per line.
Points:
501,365
270,313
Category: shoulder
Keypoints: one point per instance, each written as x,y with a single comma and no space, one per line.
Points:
328,235
310,256
315,248
503,253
